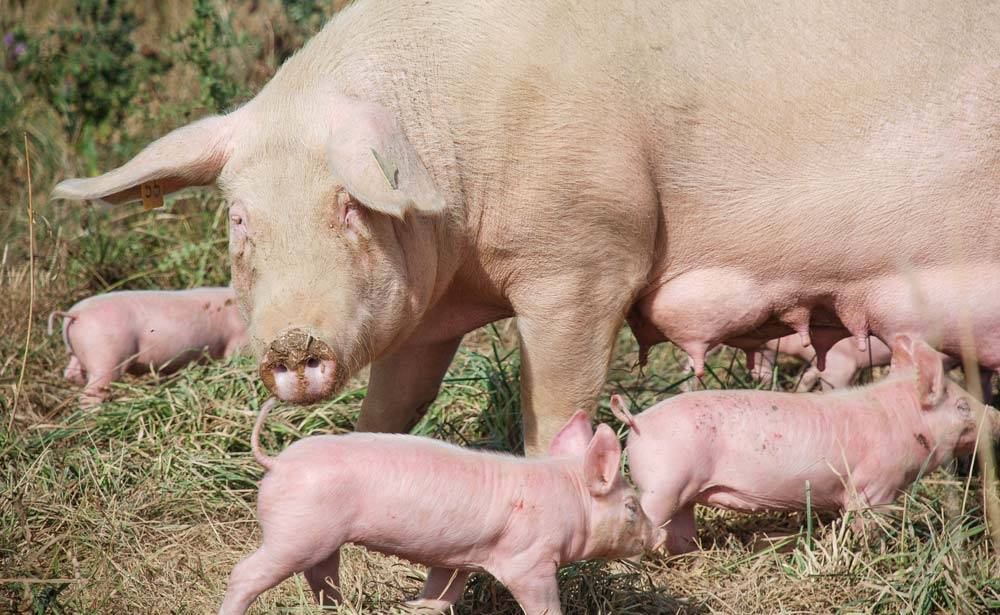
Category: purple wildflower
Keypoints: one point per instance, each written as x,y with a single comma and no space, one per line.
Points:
20,49
8,39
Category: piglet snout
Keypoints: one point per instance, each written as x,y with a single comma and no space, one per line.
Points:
659,539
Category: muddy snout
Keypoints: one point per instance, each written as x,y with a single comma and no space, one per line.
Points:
299,368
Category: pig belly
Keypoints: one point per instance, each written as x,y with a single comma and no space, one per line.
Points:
164,361
775,492
705,307
167,347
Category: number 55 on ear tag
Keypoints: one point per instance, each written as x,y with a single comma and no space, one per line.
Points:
152,195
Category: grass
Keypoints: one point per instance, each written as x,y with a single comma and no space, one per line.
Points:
148,501
145,503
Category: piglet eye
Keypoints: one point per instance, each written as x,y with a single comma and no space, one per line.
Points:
236,219
632,506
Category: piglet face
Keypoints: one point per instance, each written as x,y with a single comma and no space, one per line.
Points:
954,415
619,527
970,418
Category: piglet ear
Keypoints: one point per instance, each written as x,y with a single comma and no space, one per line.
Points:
574,437
930,375
371,157
902,353
192,155
601,463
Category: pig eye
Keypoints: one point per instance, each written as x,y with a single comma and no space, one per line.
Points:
632,506
236,219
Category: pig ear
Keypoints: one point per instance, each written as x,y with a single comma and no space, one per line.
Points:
371,157
574,437
902,353
600,465
189,156
930,375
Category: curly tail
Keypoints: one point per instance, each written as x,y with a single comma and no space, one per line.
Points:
258,454
65,333
621,412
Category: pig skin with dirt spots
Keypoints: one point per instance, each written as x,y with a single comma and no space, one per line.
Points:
755,450
438,504
142,331
721,172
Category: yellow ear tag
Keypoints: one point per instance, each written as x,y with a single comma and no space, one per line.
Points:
152,196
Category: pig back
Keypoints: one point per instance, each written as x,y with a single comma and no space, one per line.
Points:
424,500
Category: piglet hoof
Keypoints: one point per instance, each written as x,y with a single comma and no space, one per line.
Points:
89,400
428,605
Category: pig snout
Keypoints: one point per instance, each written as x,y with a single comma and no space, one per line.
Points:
299,368
651,537
993,423
659,539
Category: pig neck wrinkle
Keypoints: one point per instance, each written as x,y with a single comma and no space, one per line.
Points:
573,550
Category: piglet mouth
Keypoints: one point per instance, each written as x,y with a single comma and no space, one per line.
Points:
299,368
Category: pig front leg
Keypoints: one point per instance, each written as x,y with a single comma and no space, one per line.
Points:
682,531
403,384
678,520
564,363
401,387
536,588
862,502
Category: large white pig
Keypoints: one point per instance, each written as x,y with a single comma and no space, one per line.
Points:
423,167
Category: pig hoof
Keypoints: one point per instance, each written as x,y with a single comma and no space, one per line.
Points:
427,605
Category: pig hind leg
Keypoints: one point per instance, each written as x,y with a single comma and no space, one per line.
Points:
103,362
269,566
807,381
250,578
98,382
443,588
324,579
75,372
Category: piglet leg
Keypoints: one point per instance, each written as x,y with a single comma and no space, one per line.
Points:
324,580
443,588
250,578
666,509
75,372
682,531
536,590
96,389
808,380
